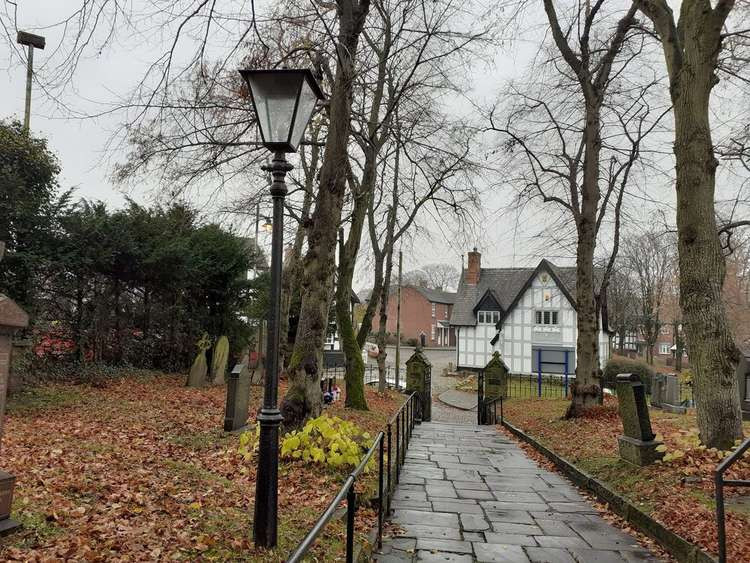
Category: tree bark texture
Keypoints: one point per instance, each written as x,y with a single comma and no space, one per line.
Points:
303,398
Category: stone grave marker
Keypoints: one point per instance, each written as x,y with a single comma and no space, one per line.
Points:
495,378
637,445
12,318
238,398
671,400
657,390
419,380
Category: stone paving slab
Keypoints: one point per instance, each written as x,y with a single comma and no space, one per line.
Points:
466,493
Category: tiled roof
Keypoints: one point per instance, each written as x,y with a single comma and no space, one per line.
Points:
505,284
437,296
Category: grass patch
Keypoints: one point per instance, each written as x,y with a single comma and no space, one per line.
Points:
43,398
37,529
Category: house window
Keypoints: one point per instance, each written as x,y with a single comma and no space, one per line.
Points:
488,317
433,310
665,349
665,329
432,332
547,317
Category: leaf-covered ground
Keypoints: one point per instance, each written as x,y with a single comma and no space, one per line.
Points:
678,492
140,470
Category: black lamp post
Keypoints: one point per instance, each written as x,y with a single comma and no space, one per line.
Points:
284,101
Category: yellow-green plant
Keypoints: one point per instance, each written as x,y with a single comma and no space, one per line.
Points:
249,442
328,441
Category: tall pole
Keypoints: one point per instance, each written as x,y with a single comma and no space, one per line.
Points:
260,321
398,318
29,76
269,418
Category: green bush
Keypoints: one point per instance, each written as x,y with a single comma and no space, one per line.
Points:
619,365
327,440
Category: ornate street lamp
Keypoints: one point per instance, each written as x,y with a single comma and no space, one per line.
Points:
284,101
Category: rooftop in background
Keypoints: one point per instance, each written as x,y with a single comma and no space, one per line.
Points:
505,285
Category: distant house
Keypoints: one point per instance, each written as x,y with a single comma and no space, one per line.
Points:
527,314
424,313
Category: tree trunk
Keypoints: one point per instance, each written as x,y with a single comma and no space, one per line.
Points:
355,366
713,353
586,388
303,398
382,333
291,279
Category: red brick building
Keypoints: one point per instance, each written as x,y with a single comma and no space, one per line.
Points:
423,311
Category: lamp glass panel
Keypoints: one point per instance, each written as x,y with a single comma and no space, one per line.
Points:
307,101
275,95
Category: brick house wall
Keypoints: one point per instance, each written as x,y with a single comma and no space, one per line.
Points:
417,318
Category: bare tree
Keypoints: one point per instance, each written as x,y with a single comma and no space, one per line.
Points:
576,132
692,47
622,304
649,260
433,276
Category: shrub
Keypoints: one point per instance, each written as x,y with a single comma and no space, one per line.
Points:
412,342
328,441
619,364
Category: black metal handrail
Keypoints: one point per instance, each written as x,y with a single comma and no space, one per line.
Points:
404,419
489,407
720,483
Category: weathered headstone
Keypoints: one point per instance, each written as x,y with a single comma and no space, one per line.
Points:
12,318
238,398
496,378
199,369
419,380
743,380
657,390
219,360
671,401
637,445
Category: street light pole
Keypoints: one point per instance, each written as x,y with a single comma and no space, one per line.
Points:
269,418
284,101
32,42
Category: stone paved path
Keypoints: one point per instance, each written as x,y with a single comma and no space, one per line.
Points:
469,494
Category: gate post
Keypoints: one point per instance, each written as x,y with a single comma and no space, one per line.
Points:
495,383
419,380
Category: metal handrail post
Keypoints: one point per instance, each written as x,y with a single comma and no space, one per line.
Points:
390,460
351,508
380,494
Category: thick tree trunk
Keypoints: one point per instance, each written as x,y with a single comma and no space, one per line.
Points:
291,279
303,398
586,388
355,366
713,353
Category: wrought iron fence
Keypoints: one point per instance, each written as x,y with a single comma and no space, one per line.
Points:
720,484
389,469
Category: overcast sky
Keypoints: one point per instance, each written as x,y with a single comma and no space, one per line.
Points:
505,237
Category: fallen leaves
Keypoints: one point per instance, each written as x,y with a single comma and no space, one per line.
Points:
140,470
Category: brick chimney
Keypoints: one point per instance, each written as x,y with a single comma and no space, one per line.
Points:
473,267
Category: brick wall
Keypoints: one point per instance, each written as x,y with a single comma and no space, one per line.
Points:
416,316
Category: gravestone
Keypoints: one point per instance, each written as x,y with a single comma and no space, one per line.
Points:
671,400
495,378
238,398
637,445
657,390
419,380
12,318
199,369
